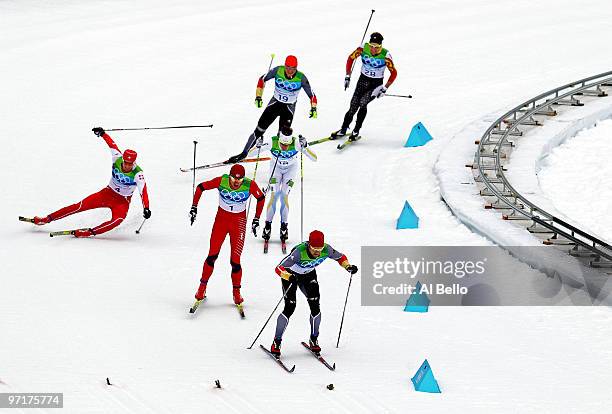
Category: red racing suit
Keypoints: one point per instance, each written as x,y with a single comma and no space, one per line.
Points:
230,219
116,196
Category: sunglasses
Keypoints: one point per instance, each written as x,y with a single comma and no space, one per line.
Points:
375,45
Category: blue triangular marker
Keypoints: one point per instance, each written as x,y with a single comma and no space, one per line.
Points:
424,380
417,302
418,136
407,219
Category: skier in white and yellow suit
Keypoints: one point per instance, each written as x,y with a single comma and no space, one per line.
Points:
284,165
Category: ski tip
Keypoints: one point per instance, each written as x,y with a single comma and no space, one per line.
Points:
334,367
292,369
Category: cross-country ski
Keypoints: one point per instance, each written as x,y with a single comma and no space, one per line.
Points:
221,164
318,356
348,142
278,360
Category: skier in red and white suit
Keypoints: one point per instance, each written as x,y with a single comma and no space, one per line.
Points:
234,192
126,177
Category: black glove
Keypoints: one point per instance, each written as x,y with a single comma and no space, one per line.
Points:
347,81
255,225
193,213
352,269
292,279
146,213
98,131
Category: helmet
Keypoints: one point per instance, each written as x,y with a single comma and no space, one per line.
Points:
376,38
129,156
316,239
291,61
237,171
286,135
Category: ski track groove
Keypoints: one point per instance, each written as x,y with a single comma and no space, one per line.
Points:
237,394
128,394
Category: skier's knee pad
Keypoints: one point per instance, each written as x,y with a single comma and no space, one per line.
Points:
210,260
289,308
315,307
236,267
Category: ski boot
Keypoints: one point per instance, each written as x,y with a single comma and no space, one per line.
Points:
275,349
236,158
353,136
314,345
201,293
83,233
39,221
337,134
284,232
237,297
267,231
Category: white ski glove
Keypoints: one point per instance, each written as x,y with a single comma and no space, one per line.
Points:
303,142
259,142
379,91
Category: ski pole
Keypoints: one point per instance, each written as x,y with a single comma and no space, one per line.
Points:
271,60
270,317
143,222
272,55
170,127
398,96
301,195
254,177
271,175
363,37
344,310
195,144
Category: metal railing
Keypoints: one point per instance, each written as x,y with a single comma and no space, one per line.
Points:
496,137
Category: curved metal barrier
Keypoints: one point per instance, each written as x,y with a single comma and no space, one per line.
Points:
488,164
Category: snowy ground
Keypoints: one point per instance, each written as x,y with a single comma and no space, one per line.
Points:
576,178
74,312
